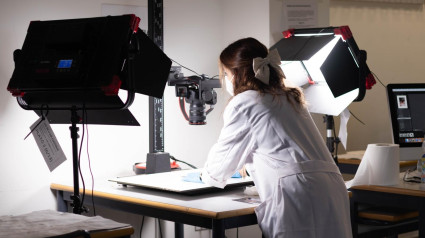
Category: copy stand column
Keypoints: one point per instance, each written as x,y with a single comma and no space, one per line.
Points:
157,160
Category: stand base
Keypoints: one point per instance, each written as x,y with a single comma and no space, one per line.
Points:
158,162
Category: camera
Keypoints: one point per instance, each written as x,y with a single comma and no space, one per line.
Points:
195,90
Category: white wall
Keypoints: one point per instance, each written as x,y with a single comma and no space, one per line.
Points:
392,35
192,38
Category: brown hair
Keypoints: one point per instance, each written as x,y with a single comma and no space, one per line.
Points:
238,58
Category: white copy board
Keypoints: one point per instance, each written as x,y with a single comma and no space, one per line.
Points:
173,182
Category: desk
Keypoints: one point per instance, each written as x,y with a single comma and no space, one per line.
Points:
216,211
403,195
349,165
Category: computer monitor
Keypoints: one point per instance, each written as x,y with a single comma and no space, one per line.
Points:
407,109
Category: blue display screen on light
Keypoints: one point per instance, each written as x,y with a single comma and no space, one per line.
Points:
65,64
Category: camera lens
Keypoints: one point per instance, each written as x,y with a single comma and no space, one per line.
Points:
197,114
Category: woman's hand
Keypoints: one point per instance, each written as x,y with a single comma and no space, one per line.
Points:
194,177
243,172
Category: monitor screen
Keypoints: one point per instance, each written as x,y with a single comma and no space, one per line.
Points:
406,102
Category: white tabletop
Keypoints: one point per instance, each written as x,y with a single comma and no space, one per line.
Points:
402,187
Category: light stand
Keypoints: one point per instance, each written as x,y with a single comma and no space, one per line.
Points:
77,207
76,204
81,64
332,141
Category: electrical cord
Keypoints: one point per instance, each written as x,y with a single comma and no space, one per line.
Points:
193,71
85,137
181,161
209,110
356,118
377,78
89,162
413,179
183,108
79,164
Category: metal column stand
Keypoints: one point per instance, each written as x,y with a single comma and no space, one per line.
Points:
156,106
157,160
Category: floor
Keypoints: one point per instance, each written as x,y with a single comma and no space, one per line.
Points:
413,234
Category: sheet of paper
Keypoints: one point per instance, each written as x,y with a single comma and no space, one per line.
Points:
300,14
250,200
47,143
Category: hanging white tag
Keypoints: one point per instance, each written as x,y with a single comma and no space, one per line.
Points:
344,116
47,143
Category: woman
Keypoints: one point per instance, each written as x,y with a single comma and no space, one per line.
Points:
268,129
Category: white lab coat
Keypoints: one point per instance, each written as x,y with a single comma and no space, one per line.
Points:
301,189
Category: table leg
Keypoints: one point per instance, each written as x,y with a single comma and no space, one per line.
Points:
422,218
62,205
218,230
178,230
353,215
